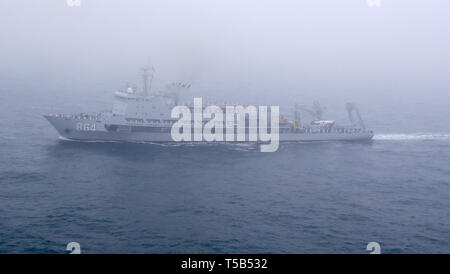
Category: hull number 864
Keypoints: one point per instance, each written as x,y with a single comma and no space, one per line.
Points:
85,127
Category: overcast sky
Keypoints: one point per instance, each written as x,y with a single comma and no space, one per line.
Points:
311,48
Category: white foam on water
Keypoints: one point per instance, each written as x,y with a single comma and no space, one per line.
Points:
86,141
412,136
5,137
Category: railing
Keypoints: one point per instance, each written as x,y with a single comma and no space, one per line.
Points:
80,116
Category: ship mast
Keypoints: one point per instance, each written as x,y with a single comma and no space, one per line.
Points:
145,79
296,117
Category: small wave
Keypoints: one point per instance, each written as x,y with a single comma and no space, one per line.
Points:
241,146
61,138
5,137
412,136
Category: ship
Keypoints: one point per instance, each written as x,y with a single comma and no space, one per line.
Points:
139,115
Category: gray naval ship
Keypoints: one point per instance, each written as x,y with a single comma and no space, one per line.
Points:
143,116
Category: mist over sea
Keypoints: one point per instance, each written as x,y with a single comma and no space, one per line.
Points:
391,59
329,197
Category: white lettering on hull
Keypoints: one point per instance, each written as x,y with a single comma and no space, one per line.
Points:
85,127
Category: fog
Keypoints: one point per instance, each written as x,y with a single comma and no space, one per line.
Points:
257,51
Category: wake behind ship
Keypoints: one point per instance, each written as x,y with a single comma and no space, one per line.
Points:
138,116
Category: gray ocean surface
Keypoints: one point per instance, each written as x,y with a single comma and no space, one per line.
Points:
329,197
